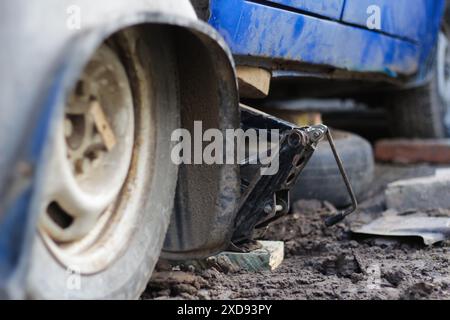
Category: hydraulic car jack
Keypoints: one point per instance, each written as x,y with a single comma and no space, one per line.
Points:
265,198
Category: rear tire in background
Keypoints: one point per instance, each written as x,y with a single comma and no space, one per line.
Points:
321,179
111,256
424,112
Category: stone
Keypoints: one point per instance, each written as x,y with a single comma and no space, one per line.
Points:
403,151
420,193
268,258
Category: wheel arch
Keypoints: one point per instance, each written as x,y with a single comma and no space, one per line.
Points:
18,195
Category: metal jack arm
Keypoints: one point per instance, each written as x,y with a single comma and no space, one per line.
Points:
331,221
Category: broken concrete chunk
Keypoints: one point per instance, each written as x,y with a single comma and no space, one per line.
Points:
420,193
445,172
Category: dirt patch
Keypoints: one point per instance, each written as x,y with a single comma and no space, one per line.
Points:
325,263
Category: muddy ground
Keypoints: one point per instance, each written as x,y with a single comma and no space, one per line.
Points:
326,263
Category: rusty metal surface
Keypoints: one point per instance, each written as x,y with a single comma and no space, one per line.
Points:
265,198
430,229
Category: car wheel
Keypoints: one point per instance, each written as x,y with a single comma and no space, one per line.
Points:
424,112
109,186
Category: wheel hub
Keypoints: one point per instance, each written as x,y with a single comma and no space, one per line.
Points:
92,151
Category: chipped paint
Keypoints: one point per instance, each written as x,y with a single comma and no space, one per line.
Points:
261,31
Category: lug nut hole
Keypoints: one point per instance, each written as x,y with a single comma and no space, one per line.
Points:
59,215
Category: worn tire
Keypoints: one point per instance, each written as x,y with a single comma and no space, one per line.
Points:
127,275
424,112
321,179
419,112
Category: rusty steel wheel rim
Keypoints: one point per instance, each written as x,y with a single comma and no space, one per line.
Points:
82,220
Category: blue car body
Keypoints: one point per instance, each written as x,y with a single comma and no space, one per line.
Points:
332,34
